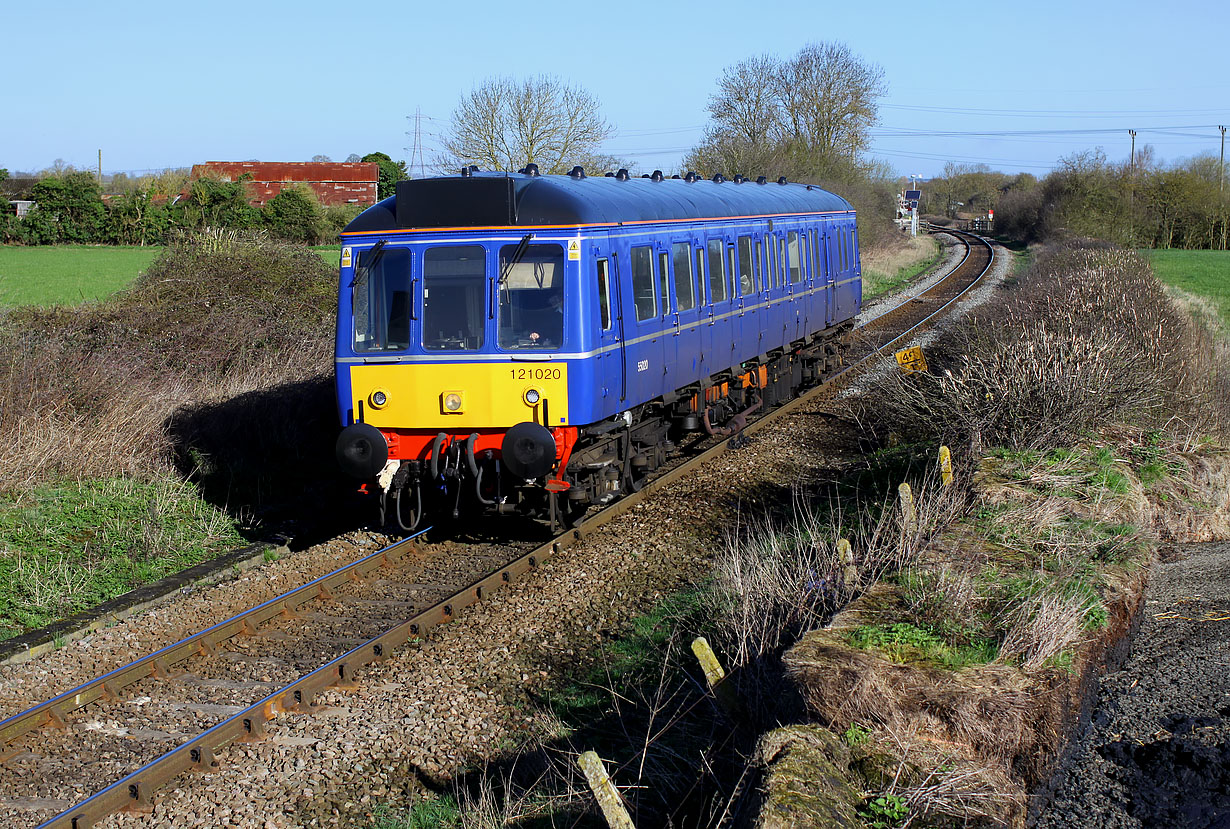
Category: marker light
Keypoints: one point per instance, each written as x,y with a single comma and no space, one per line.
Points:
452,402
532,396
379,398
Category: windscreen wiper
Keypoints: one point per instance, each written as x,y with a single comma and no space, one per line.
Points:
367,261
507,267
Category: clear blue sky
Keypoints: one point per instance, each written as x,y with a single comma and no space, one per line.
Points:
158,85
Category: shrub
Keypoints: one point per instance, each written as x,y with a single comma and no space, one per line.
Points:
211,202
294,215
70,208
1087,337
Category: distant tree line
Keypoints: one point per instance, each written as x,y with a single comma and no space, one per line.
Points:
1146,204
70,208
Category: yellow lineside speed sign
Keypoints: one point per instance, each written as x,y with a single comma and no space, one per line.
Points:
912,359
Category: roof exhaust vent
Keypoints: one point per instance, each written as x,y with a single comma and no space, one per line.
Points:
782,180
577,172
676,175
622,175
466,172
610,175
761,180
718,178
739,179
531,169
657,175
690,177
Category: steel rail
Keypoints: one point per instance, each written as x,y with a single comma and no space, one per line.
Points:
162,662
134,791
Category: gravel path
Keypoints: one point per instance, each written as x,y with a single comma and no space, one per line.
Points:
1157,752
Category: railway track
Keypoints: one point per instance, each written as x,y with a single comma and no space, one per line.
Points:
227,683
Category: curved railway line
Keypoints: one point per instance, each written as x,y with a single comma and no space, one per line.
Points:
183,703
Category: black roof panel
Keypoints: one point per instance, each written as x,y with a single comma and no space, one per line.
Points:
502,200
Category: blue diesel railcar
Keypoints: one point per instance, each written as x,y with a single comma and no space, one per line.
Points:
538,343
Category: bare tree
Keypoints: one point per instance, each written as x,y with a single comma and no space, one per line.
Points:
505,123
809,116
747,121
829,98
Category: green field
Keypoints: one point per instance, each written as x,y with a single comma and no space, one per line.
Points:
69,274
1205,273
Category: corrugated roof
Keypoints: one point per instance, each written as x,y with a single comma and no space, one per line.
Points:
360,171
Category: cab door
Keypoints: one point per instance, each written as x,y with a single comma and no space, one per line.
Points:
829,274
687,308
643,323
611,361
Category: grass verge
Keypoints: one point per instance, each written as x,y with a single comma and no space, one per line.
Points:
890,270
66,546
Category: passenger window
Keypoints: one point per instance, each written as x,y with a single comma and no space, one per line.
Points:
663,289
531,291
700,277
717,276
747,283
792,256
817,268
454,297
642,283
685,299
804,241
604,294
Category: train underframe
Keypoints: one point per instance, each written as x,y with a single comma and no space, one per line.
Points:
597,463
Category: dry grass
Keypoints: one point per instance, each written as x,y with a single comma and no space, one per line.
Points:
776,579
1041,628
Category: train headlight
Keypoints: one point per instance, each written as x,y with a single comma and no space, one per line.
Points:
378,398
532,396
452,402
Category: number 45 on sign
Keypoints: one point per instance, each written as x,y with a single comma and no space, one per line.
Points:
912,359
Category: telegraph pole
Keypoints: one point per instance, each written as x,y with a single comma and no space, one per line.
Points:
1221,170
1221,186
100,168
1132,190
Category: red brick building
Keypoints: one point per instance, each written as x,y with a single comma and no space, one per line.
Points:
333,183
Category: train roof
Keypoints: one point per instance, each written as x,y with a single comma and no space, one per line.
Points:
515,200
